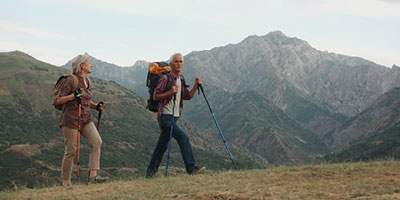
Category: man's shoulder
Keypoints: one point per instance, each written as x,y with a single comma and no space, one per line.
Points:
164,77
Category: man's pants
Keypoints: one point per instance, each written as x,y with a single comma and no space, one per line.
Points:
165,122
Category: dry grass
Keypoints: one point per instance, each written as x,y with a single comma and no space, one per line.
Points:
26,149
368,180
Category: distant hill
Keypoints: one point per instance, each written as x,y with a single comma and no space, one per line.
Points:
374,133
31,146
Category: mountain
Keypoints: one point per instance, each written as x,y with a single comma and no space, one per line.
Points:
348,84
271,63
319,89
31,146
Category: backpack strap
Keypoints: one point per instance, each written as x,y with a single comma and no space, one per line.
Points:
169,83
183,81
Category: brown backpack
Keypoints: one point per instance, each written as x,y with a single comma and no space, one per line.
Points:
57,89
58,86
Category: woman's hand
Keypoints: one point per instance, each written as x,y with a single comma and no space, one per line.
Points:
100,106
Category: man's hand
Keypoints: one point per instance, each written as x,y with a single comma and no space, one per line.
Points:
174,90
198,81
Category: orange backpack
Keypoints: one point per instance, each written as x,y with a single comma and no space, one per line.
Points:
156,71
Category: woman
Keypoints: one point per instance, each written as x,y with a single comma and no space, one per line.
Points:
81,66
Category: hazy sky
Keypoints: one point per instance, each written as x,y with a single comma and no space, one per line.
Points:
123,31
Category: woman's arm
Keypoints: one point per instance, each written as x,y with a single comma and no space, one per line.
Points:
92,105
65,99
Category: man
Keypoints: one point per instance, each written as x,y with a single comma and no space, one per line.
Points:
165,120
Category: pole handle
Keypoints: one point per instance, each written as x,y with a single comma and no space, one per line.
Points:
98,120
201,88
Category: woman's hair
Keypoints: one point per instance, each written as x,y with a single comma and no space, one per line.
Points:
76,63
172,57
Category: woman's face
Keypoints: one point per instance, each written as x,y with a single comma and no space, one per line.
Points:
86,67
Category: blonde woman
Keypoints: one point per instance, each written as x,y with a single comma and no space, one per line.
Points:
81,66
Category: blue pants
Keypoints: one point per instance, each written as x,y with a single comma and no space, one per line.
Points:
165,122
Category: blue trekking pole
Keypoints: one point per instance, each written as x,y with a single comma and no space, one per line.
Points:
219,129
170,135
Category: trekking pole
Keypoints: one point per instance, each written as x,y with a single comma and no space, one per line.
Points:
78,138
100,111
215,120
170,135
97,127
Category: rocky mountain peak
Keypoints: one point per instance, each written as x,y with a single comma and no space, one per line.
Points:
276,33
276,39
141,64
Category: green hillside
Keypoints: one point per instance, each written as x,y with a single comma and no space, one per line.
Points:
31,146
385,144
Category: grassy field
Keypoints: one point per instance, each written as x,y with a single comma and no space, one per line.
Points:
364,180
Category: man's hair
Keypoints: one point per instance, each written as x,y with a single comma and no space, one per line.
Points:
76,63
173,55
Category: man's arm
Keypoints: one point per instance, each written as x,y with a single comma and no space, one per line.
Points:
158,92
157,97
197,81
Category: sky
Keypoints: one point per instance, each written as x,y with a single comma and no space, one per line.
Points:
124,31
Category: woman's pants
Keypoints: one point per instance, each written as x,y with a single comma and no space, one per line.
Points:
88,131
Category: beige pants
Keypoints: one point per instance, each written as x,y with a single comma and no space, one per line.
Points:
88,131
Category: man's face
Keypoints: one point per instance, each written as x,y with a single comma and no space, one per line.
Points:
177,63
